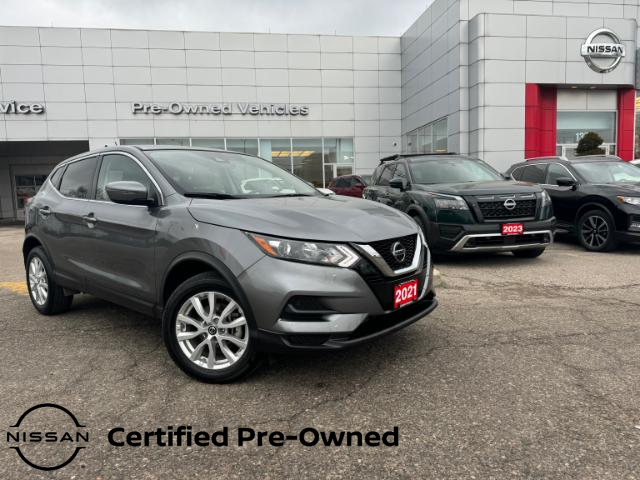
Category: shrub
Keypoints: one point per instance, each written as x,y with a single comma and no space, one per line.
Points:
590,145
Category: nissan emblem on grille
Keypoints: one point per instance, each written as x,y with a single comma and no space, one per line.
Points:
510,204
398,251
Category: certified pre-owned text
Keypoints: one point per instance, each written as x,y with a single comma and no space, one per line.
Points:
308,437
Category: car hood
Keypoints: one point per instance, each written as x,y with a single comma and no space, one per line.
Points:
630,189
336,218
498,187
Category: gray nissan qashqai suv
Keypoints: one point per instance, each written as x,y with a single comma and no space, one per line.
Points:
235,254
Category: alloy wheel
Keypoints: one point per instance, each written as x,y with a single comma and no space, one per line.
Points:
38,281
212,330
595,231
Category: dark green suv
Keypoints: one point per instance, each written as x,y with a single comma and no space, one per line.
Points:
463,205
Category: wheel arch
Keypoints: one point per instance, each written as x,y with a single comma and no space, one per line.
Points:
190,264
598,204
30,242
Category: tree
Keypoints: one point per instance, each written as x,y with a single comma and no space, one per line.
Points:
590,145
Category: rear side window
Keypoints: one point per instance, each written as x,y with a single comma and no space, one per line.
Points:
119,168
343,182
534,173
386,175
56,176
517,173
77,178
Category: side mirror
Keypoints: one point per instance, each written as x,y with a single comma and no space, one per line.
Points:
326,192
129,193
399,183
566,182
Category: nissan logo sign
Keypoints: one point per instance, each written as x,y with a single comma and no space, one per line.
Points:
602,57
509,204
399,252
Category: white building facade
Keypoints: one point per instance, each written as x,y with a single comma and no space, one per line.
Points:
498,79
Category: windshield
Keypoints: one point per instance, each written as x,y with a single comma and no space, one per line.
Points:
608,172
451,170
226,175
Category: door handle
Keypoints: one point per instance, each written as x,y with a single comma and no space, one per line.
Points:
44,211
90,220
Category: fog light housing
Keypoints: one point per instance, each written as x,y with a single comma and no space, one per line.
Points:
635,226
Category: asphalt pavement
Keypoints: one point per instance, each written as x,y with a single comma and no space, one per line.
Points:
527,369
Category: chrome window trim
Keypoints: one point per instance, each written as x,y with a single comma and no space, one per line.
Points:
372,254
117,152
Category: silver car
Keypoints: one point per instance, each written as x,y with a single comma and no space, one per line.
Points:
233,265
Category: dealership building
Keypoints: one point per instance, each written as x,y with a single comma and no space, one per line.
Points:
502,80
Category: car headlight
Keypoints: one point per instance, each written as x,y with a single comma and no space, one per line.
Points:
546,199
630,200
449,202
321,253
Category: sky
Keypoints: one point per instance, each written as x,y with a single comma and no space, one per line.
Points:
346,17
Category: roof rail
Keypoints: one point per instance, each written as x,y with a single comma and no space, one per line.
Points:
397,156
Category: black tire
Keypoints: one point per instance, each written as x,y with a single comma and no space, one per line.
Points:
596,231
56,301
528,253
205,282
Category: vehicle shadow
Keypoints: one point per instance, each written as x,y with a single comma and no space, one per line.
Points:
356,365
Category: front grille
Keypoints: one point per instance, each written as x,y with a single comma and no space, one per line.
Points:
495,209
383,287
384,249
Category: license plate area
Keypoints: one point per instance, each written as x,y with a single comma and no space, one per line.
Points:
512,229
405,293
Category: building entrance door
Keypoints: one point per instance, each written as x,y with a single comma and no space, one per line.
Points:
25,187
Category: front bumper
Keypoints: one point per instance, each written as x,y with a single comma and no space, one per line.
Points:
487,237
300,306
375,326
628,236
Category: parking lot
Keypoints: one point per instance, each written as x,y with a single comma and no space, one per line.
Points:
528,368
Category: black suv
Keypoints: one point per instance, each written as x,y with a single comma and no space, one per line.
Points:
595,197
463,205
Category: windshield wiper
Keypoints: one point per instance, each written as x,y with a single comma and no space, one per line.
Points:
213,195
291,195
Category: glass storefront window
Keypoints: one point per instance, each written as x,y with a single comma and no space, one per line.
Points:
306,155
182,142
430,138
338,150
317,160
412,142
136,141
425,139
208,142
277,150
637,137
572,126
244,145
440,136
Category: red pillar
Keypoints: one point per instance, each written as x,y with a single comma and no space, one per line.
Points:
626,119
540,120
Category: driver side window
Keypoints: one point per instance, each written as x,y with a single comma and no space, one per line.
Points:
386,175
119,168
556,171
